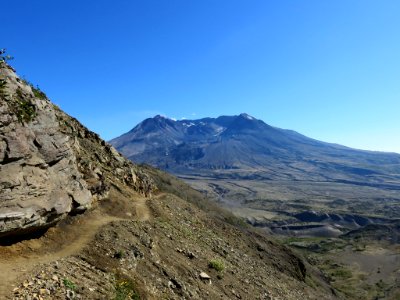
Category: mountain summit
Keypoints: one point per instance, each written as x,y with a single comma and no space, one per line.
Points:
244,146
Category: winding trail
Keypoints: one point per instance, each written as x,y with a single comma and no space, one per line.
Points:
59,242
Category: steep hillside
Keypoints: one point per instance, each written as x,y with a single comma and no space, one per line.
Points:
79,221
50,165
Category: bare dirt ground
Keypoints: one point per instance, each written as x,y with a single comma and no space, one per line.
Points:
376,262
13,265
155,248
361,269
373,271
66,239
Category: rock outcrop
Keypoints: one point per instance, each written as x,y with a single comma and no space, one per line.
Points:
50,165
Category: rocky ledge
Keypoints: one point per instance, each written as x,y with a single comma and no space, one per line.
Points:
50,165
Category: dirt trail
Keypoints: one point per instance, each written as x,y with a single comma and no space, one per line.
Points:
142,211
59,242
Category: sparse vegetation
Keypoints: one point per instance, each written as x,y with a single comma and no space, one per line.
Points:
125,290
348,281
37,92
4,57
235,221
25,111
3,85
69,284
341,273
119,254
217,265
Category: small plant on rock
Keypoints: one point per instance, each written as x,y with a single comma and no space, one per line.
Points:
125,290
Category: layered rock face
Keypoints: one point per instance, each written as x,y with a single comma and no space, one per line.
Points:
50,165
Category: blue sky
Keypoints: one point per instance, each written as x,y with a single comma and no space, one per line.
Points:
327,69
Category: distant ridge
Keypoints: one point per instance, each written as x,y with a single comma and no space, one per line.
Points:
242,146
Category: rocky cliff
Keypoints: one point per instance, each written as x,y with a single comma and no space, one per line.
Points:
50,165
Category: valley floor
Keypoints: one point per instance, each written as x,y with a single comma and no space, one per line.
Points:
350,232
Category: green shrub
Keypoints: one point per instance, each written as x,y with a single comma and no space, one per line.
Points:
217,265
69,284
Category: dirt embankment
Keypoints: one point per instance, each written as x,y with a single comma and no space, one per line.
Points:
67,239
155,248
